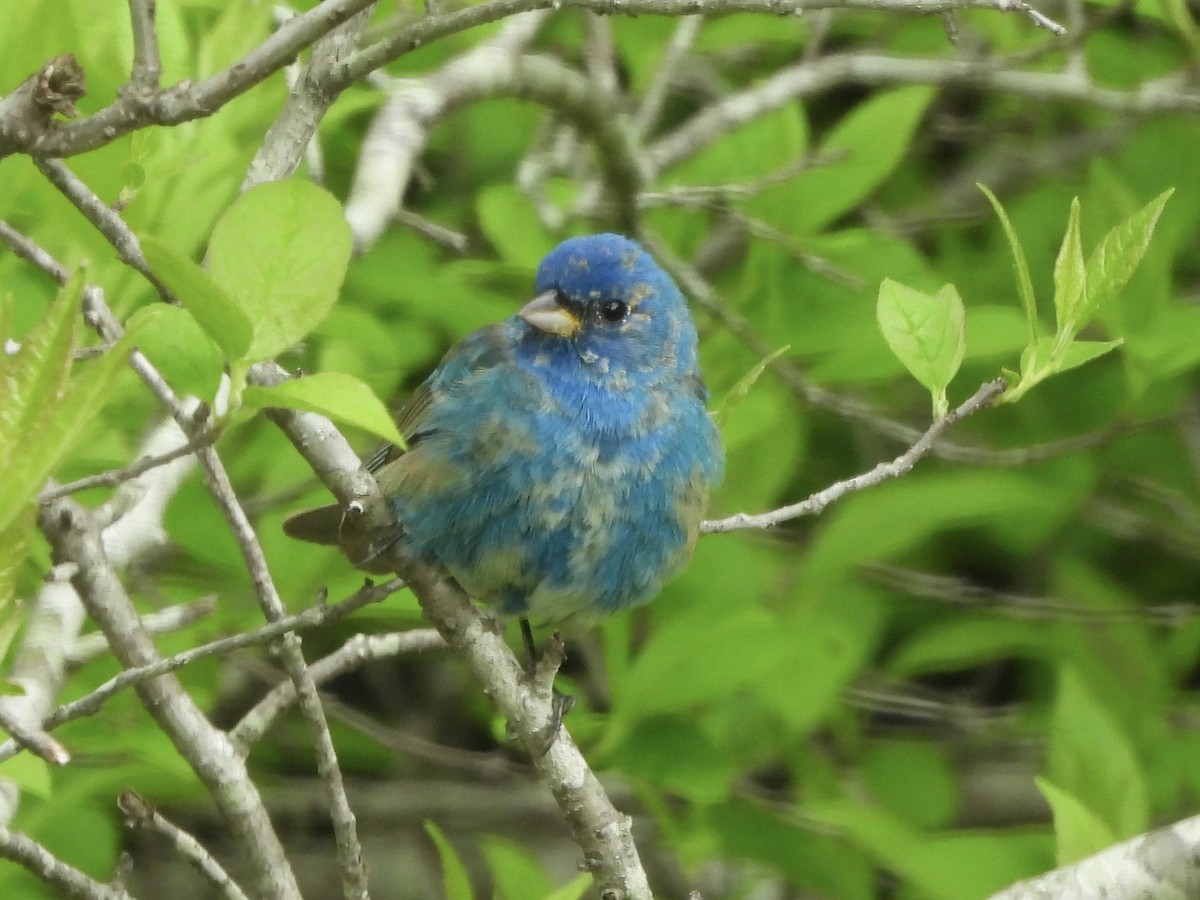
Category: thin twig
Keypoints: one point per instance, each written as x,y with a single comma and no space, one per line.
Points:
75,539
660,85
963,593
988,392
313,617
113,477
354,876
807,79
147,69
140,814
355,652
162,621
1041,20
49,868
431,28
23,131
34,740
105,219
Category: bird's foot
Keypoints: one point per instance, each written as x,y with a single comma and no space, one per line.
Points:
540,674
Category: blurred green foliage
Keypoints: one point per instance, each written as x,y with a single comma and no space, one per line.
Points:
936,687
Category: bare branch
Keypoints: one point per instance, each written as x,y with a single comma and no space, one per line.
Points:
33,739
357,651
354,875
162,621
400,129
1161,863
656,92
140,814
24,128
431,28
294,129
988,392
107,221
75,539
113,477
602,832
52,870
147,68
817,76
313,617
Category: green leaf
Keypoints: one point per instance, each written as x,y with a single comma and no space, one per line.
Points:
281,252
1079,352
455,882
515,873
14,543
341,397
1050,356
927,332
738,392
33,379
1020,266
1118,255
60,428
1089,757
679,669
211,306
913,779
967,643
1078,831
180,349
499,206
861,151
676,755
934,866
1070,278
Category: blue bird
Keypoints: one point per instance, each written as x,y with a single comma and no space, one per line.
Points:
559,462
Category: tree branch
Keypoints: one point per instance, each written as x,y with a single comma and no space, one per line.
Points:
400,129
1161,863
140,814
52,870
24,127
114,477
807,78
355,652
313,617
431,28
294,129
162,621
75,539
147,68
988,392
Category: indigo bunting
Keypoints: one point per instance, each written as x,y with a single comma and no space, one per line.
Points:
558,462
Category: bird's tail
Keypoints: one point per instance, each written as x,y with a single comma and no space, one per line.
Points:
321,525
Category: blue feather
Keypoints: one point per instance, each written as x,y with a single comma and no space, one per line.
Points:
560,469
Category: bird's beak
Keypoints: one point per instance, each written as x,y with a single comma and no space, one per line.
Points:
545,313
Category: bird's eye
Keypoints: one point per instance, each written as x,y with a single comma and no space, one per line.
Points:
613,310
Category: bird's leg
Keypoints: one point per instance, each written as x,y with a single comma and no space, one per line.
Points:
541,671
531,655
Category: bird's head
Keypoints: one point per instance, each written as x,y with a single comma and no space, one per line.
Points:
601,299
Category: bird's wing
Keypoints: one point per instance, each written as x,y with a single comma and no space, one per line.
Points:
479,350
482,349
